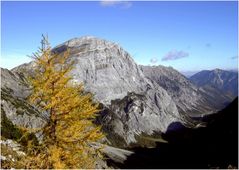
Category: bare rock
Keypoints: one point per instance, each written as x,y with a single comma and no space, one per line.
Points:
132,103
14,91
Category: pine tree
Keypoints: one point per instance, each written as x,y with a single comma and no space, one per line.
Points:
70,129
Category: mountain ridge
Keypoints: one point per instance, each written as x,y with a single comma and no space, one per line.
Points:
110,74
223,81
189,98
132,103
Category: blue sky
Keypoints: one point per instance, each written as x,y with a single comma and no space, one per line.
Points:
186,35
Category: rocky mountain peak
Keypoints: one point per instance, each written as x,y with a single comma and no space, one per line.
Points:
217,70
86,44
226,82
90,40
188,97
137,101
133,105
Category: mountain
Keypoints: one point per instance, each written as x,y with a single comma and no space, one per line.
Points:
188,74
211,147
225,82
131,104
15,110
135,101
214,146
190,99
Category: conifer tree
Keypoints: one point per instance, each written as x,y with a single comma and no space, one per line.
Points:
70,129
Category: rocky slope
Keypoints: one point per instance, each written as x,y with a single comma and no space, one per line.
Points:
16,112
225,82
132,104
135,101
14,107
211,147
190,99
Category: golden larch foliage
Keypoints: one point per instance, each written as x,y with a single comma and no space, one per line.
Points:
70,129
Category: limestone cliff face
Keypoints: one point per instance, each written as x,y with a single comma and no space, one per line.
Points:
14,91
132,103
135,100
15,82
190,99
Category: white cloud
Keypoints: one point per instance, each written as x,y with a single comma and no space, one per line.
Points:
114,3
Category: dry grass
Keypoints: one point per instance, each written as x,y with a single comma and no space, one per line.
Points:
13,159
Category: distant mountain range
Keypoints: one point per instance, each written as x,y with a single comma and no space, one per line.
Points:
190,98
136,101
225,82
188,74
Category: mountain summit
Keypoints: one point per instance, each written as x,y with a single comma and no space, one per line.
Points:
136,102
189,99
131,104
222,81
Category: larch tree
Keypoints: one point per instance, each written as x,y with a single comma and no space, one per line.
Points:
70,129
